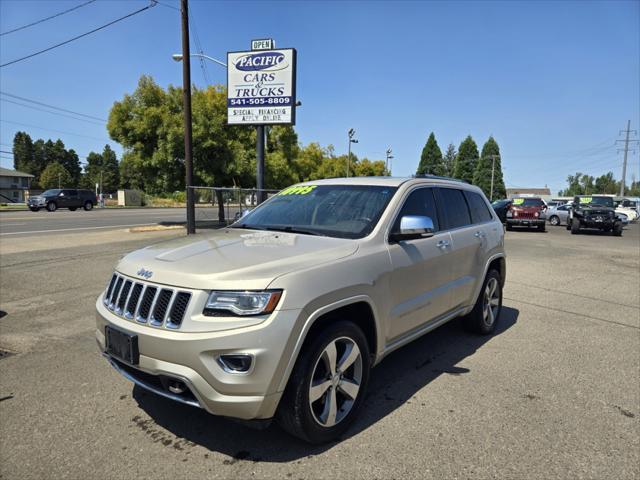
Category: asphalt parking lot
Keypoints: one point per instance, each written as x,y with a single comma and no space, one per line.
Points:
554,393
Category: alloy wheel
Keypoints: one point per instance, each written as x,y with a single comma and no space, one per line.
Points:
335,381
491,302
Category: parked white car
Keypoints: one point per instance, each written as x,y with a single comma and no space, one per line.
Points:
629,212
558,215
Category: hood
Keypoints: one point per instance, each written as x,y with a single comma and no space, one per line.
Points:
233,258
591,210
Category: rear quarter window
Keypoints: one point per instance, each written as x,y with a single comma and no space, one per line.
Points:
478,207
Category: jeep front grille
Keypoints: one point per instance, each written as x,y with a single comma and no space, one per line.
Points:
146,303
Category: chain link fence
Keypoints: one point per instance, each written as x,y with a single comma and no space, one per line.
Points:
216,207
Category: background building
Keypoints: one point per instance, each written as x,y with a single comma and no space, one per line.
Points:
14,186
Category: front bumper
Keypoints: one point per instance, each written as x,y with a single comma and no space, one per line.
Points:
526,222
191,358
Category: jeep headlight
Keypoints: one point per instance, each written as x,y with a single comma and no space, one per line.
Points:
509,214
243,302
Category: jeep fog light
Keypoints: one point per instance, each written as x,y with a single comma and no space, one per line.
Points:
235,363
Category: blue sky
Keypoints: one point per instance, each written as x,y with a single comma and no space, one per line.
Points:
554,82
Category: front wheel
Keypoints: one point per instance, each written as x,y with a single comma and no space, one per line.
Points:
575,226
509,227
88,205
554,220
617,229
328,384
34,209
52,207
542,228
73,209
484,316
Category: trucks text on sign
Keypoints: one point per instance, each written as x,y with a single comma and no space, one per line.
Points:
261,87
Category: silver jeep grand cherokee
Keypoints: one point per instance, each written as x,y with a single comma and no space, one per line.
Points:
283,314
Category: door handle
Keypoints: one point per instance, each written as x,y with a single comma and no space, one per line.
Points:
479,234
442,243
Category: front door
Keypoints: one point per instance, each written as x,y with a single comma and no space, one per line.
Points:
419,282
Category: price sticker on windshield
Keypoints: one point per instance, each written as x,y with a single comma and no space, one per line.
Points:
518,201
302,190
586,199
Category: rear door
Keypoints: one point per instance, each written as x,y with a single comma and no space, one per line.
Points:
67,198
468,242
419,283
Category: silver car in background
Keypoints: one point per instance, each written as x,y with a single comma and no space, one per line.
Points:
558,215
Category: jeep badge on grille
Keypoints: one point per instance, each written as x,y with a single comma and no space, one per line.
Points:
145,273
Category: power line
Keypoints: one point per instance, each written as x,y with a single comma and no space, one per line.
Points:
51,106
47,18
151,5
52,130
196,38
53,113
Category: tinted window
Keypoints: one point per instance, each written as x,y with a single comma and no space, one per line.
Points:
420,202
528,202
479,211
69,193
455,208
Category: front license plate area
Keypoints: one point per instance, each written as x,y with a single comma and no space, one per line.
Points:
122,345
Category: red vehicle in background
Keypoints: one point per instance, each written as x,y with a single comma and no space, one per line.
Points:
527,212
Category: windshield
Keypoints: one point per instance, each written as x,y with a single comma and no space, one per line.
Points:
51,193
528,202
593,201
344,211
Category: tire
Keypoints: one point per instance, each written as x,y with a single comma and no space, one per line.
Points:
509,227
542,228
34,209
73,209
617,229
554,220
88,205
575,226
312,421
481,319
52,206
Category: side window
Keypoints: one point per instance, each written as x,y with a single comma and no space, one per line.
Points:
455,208
479,211
420,202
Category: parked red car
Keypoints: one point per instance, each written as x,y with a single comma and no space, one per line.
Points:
527,212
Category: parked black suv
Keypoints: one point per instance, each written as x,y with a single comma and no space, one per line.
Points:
594,211
70,198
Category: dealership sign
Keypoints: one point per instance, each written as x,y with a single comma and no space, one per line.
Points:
261,87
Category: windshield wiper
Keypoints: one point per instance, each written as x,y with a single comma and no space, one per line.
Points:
291,229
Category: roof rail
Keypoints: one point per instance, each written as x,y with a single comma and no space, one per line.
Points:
438,177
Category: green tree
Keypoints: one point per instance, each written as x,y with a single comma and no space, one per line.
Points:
23,154
587,184
482,175
574,186
370,168
431,162
607,184
449,160
55,176
466,160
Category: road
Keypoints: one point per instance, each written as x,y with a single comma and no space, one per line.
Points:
553,394
33,223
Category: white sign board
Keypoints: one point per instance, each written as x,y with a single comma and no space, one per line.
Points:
263,44
261,87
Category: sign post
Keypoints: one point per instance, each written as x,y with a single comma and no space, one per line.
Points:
261,90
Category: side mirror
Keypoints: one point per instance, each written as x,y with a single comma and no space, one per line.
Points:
412,227
61,194
242,214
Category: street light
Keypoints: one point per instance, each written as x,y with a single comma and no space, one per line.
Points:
178,58
389,157
351,133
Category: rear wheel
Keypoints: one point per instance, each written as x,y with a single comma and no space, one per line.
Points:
575,226
327,385
88,205
52,207
554,220
484,316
